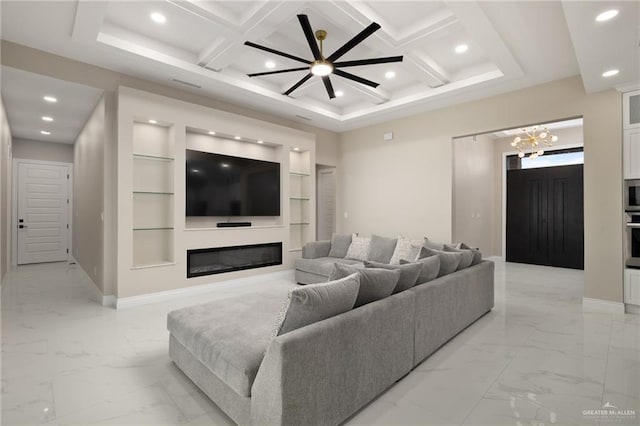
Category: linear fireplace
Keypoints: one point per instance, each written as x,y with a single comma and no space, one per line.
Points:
218,260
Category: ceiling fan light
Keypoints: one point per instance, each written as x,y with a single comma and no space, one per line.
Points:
321,68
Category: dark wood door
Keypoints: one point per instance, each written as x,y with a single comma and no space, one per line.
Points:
545,216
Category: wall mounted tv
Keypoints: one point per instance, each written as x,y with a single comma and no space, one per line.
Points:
222,185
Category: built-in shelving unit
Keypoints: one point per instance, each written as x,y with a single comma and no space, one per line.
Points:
153,171
300,192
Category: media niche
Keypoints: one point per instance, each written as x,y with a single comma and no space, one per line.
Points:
223,185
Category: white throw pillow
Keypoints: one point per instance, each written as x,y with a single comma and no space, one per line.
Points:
359,248
406,249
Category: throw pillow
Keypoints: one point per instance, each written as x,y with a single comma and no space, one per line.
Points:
467,256
477,255
339,245
448,261
359,248
375,283
315,302
408,273
406,249
381,248
430,269
432,244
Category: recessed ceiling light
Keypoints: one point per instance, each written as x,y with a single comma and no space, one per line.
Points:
339,93
44,132
211,132
46,118
390,74
296,149
237,138
158,18
153,122
260,142
461,48
224,165
270,64
606,15
50,99
610,73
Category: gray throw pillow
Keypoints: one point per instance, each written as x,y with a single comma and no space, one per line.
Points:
339,245
448,261
430,268
375,283
408,273
467,256
381,248
315,302
432,244
477,255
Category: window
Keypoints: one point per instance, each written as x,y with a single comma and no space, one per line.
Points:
565,157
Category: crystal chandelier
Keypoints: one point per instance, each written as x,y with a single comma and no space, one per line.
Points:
533,140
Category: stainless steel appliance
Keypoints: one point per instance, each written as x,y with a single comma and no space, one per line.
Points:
633,234
632,195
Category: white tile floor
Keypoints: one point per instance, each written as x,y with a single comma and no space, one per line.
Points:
536,359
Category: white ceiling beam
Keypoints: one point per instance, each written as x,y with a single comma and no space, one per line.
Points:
88,20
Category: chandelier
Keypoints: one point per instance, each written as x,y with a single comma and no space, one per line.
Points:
533,140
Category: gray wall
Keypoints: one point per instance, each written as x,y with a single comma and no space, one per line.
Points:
88,195
404,186
5,192
43,151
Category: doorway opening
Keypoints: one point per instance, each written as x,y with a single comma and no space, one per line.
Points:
326,202
480,176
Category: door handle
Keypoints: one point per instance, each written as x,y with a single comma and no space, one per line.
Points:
22,226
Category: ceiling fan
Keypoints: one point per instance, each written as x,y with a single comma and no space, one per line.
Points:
324,66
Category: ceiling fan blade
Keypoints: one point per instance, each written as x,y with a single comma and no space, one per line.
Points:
354,41
355,78
328,86
258,74
276,52
298,84
367,61
308,33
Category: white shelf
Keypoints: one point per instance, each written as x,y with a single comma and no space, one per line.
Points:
155,265
234,228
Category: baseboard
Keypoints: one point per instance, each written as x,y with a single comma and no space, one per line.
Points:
109,301
632,309
161,296
96,294
601,305
495,258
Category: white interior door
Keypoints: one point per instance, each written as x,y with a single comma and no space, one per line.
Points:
326,205
43,212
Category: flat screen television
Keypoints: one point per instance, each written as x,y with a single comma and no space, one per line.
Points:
222,185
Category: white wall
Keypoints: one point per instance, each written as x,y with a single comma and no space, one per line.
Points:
5,192
88,196
404,186
29,149
473,192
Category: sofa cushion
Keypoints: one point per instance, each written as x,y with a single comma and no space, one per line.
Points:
408,273
233,350
381,248
433,245
375,283
430,268
323,265
448,261
477,255
315,302
339,245
467,256
359,248
406,249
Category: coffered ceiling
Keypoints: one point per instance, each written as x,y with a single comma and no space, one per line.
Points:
200,48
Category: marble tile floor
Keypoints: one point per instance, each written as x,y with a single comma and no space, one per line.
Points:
537,359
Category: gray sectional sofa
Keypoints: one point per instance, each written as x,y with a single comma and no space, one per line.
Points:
322,373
